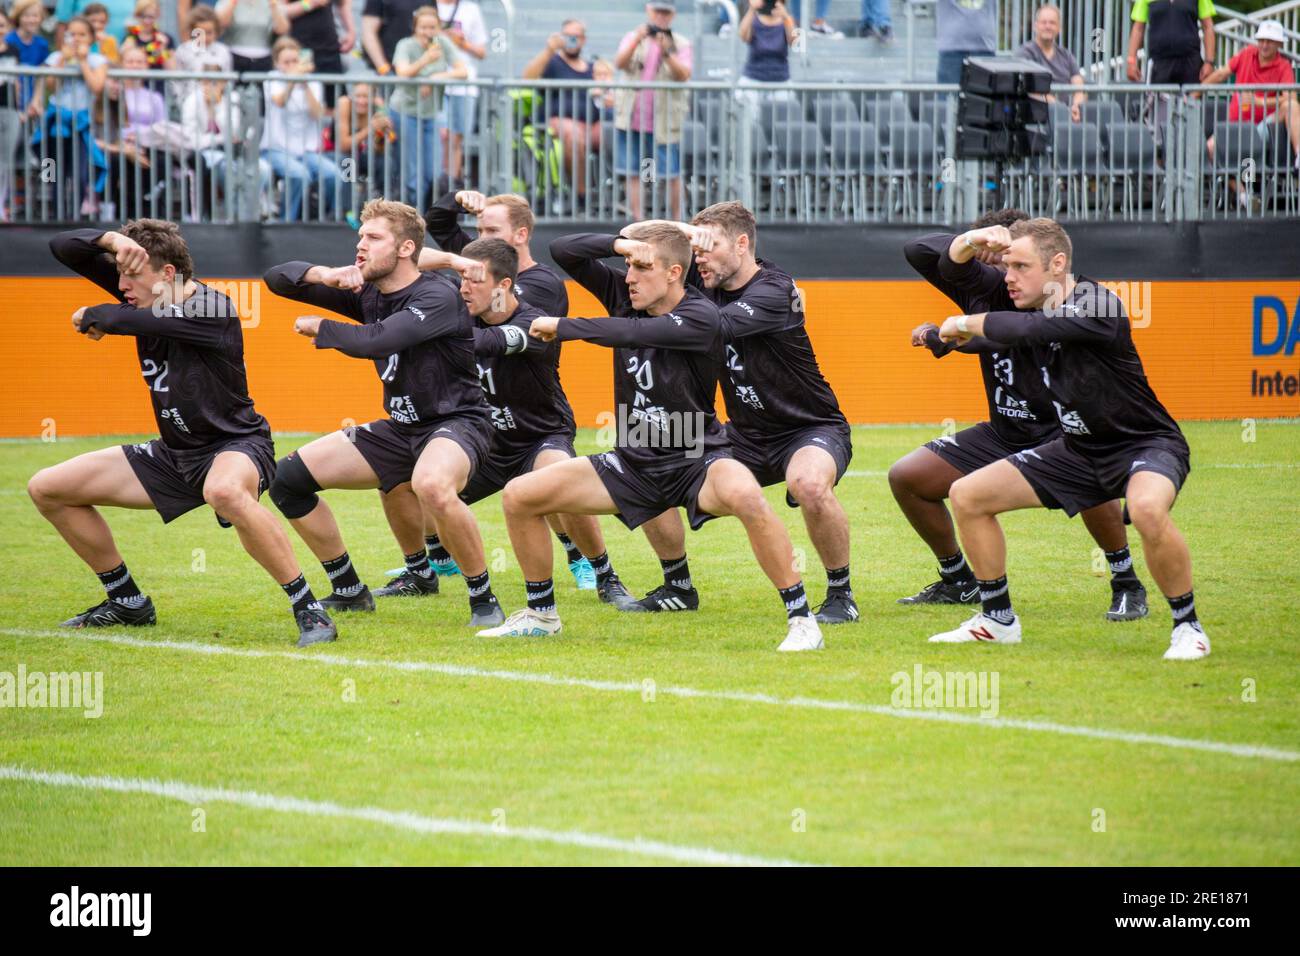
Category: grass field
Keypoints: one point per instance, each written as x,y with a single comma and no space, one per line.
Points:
418,743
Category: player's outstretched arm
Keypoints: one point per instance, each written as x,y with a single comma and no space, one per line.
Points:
506,339
190,323
336,289
682,330
435,260
434,313
84,252
580,256
442,221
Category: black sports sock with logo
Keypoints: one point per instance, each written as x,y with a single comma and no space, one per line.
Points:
1122,574
300,596
995,597
954,570
436,551
677,573
571,552
480,589
417,563
120,586
603,568
796,601
541,595
343,577
837,579
1184,609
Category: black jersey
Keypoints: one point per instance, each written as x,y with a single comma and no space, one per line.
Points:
1019,409
191,355
420,338
521,381
665,366
776,384
1091,369
538,285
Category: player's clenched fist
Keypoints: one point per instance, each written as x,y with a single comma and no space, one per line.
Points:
471,269
344,277
128,254
307,325
954,329
471,201
544,327
701,238
921,331
992,239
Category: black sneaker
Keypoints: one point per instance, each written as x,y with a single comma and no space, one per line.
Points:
615,592
408,584
941,592
665,598
361,601
110,613
315,627
486,613
866,31
1127,604
838,608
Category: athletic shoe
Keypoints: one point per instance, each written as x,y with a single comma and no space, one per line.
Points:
886,34
665,598
486,613
526,623
826,30
1188,643
584,576
838,608
804,635
361,601
445,569
408,584
866,31
615,592
982,629
110,613
1127,604
315,627
942,592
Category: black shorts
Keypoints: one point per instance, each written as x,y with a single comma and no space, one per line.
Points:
175,483
973,448
1065,478
640,497
769,458
1178,69
501,465
391,449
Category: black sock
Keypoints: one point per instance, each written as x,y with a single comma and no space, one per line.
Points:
541,595
120,586
436,551
1184,609
417,563
837,579
955,570
571,552
300,595
1121,568
603,568
480,589
995,596
343,577
796,602
677,573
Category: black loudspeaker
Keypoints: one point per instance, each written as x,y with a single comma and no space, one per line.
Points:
997,118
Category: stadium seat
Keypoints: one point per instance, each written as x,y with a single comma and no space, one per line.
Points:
854,160
912,154
1131,156
797,163
830,113
1103,112
1077,163
773,113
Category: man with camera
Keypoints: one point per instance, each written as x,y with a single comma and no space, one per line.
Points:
648,122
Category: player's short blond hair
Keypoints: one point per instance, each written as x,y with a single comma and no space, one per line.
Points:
404,220
1047,237
518,213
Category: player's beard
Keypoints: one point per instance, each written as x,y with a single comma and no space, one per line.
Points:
374,269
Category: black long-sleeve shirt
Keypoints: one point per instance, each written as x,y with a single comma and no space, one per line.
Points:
521,381
421,339
776,384
538,285
1019,409
191,355
665,366
1092,370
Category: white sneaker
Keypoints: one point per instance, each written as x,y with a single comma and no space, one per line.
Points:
982,629
804,635
526,623
1188,643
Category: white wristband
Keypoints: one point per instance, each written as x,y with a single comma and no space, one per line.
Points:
961,325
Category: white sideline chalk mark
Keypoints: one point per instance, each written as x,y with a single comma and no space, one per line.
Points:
1258,751
194,795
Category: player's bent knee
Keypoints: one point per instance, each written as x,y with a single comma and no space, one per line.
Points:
967,497
435,491
41,488
226,498
1148,514
811,491
294,489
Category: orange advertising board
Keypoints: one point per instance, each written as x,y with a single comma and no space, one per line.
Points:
1213,349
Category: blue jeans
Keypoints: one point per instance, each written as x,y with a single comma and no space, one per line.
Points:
820,9
421,149
875,13
950,62
298,170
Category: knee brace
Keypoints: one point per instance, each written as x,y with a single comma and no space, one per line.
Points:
294,489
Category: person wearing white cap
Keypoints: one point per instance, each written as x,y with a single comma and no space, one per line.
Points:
1263,63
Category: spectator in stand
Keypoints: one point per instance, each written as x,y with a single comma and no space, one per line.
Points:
291,132
311,23
648,123
68,116
1044,51
11,117
1174,48
201,46
768,30
462,22
819,24
117,14
570,113
383,24
963,28
428,54
211,119
602,98
248,28
33,50
876,21
141,106
105,42
363,131
1263,63
159,48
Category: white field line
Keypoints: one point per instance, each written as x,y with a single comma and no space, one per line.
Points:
196,795
1249,465
1260,752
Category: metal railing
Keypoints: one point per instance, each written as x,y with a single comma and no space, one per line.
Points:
806,153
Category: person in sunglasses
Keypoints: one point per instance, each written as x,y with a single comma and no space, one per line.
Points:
570,113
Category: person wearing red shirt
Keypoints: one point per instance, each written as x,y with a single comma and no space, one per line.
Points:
1263,63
